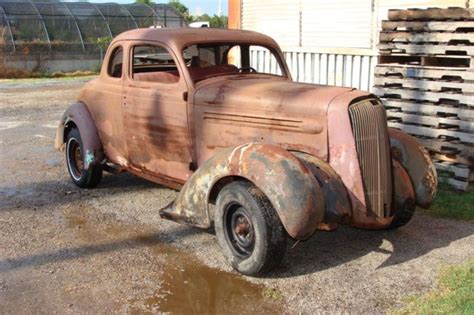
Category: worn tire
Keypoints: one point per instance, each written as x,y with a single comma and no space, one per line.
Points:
403,215
82,178
269,236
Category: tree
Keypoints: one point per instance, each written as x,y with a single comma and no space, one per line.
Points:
218,21
182,9
214,21
144,1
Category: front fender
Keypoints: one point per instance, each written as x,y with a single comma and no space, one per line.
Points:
416,160
79,115
337,203
282,177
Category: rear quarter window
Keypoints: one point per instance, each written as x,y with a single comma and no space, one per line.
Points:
115,66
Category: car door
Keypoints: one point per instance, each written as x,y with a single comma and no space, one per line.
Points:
155,114
104,100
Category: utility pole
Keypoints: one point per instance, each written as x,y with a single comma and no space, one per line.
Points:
219,8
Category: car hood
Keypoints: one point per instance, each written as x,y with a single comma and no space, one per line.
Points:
266,93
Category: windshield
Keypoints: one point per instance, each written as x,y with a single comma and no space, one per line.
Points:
209,60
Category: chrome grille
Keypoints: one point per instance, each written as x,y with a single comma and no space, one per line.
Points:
369,126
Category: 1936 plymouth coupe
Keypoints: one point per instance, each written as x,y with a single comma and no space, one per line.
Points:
216,114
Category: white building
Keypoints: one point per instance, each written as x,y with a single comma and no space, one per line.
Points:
326,41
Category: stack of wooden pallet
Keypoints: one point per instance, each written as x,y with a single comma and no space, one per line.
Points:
425,76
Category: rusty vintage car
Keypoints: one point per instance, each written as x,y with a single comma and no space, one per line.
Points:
256,155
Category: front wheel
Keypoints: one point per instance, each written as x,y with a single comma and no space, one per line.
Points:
403,215
75,163
248,229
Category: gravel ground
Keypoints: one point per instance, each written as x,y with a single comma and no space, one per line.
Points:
68,250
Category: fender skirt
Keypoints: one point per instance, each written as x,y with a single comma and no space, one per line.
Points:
79,115
287,183
417,162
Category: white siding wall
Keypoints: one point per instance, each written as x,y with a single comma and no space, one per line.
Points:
328,42
277,18
336,23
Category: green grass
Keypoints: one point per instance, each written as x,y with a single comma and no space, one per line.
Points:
455,294
272,294
452,204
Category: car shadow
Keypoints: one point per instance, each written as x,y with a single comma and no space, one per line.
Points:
73,253
322,251
35,195
326,250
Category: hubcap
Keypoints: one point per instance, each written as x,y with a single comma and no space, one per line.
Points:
75,160
239,230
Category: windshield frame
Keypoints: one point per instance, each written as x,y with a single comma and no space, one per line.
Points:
275,50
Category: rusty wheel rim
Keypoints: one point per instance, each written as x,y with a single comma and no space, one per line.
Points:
240,232
75,160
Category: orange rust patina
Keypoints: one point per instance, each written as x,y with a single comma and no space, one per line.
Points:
294,141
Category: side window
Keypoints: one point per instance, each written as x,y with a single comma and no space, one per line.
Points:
154,64
114,68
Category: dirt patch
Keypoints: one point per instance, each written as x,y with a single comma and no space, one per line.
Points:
63,249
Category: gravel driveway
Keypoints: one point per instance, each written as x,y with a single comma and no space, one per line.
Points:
63,249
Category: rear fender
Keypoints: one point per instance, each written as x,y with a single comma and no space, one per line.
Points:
78,115
282,177
417,162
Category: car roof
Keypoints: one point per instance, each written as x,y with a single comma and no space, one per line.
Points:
180,37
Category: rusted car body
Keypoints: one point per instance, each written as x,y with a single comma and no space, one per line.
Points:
322,155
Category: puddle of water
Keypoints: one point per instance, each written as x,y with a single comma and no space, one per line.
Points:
75,221
186,286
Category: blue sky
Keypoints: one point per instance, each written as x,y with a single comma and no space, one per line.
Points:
195,6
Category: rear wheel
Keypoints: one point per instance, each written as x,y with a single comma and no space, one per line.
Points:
75,162
248,229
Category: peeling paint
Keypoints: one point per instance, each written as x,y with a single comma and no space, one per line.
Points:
285,181
88,159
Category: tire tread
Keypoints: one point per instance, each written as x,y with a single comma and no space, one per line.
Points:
273,245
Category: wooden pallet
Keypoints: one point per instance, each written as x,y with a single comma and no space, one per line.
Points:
425,77
451,158
455,99
456,184
427,37
423,130
426,108
455,169
465,129
424,84
434,14
449,148
460,51
456,175
465,62
446,74
428,26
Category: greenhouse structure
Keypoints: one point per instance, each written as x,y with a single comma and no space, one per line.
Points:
50,35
